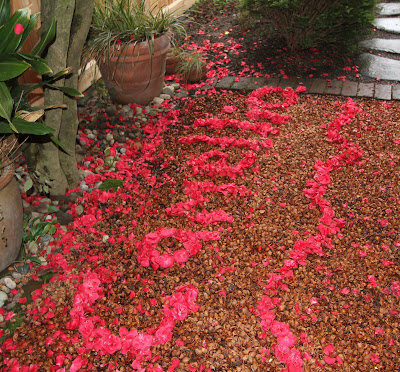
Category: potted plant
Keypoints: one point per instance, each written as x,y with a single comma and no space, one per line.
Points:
129,42
17,117
191,66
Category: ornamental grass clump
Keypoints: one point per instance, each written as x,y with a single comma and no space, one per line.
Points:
8,148
311,23
191,66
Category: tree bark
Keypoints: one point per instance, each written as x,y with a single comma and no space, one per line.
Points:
51,163
69,120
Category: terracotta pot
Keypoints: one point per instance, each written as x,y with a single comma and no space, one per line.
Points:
11,218
171,64
195,75
133,75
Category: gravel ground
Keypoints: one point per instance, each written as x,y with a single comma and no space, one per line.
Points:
256,233
236,233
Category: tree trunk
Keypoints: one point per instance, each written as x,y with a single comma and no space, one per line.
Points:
51,163
69,121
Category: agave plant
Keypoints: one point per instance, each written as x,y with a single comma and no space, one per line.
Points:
16,114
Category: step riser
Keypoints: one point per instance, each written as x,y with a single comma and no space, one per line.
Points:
388,24
388,9
379,67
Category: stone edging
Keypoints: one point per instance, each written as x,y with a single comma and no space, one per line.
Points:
316,86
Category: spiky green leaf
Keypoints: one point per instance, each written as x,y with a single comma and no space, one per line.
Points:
35,259
66,90
58,143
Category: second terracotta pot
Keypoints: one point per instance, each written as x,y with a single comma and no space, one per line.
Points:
11,218
195,76
136,74
171,63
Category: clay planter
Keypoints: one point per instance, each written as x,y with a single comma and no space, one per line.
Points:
195,75
11,218
171,64
133,75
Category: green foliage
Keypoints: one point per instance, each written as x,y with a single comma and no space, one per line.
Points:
12,325
111,184
16,115
28,185
247,20
46,277
41,181
175,51
212,6
36,228
103,97
311,23
4,11
111,157
222,4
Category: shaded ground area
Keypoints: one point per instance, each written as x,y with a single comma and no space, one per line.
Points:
260,50
247,233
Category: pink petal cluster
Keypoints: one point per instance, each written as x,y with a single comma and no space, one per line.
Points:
194,189
261,128
191,241
227,142
220,167
97,337
349,154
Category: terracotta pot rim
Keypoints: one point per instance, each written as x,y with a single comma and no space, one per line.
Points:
173,59
137,51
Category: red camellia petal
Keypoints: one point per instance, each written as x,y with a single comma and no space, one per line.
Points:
329,360
18,29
